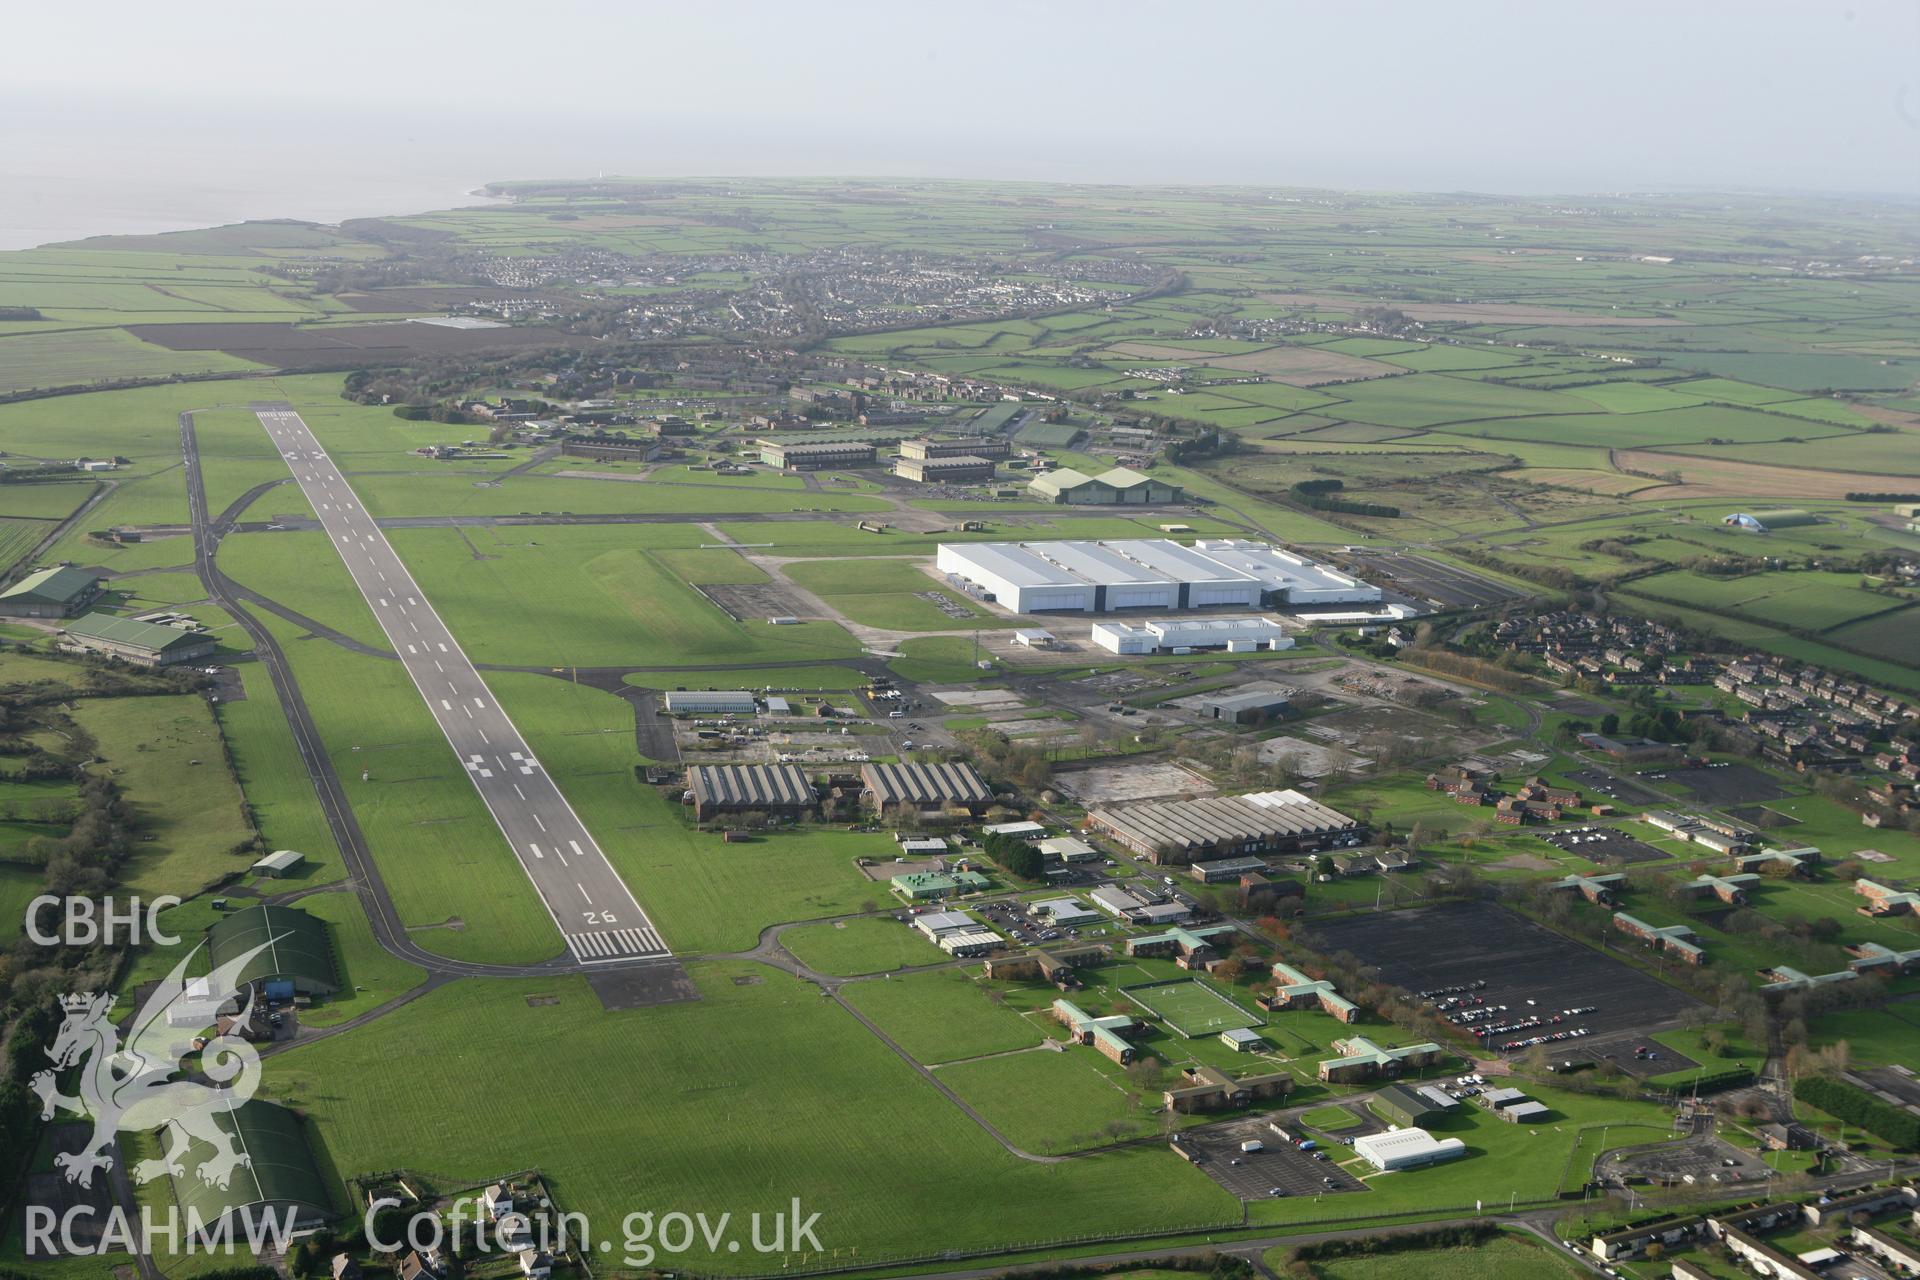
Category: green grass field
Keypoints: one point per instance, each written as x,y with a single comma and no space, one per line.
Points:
693,1085
945,1016
165,754
850,947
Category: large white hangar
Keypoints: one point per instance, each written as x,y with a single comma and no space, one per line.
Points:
1145,573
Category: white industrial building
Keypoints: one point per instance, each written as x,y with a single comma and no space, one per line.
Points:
1406,1149
1179,635
1145,573
712,702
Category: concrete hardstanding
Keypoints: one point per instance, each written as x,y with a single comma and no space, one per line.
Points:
590,904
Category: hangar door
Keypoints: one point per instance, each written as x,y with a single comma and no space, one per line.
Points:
1043,600
1140,597
1199,597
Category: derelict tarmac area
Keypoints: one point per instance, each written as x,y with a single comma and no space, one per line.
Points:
589,903
1427,948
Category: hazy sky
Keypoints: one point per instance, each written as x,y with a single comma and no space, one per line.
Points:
398,95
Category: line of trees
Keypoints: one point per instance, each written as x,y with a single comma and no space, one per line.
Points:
1858,1107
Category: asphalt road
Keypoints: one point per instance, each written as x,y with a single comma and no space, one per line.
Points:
590,904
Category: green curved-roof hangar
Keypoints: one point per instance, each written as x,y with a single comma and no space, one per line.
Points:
283,1174
298,947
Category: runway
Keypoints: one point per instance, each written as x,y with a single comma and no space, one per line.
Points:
590,904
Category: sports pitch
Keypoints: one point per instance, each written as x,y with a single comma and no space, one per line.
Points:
1193,1007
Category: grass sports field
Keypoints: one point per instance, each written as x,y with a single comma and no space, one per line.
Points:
1194,1007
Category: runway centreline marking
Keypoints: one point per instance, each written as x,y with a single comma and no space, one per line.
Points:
614,927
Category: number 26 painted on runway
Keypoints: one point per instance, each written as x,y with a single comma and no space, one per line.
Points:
600,917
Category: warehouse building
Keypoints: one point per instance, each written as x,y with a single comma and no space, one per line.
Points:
976,448
279,864
279,1183
1768,521
1144,573
1180,832
1286,578
1404,1106
145,644
1225,870
1406,1149
816,455
1252,704
59,592
965,944
958,469
924,786
938,924
1172,635
1118,487
774,789
1069,849
298,951
612,449
712,702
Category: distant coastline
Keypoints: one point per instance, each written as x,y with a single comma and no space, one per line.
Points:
55,212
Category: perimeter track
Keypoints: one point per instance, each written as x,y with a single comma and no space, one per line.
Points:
590,904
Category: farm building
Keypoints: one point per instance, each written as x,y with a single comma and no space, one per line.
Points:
145,644
711,702
1406,1149
279,864
957,469
1118,487
59,592
924,786
280,1179
1252,704
1145,573
816,455
1768,521
777,789
1170,635
1211,1089
297,949
1180,832
971,447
